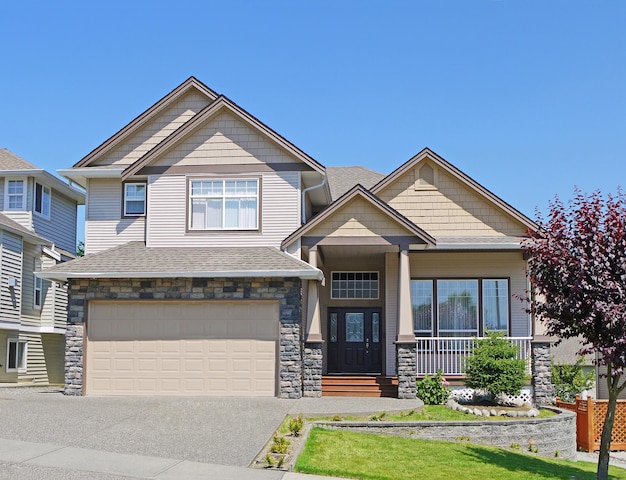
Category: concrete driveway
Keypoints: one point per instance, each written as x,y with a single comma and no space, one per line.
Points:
226,431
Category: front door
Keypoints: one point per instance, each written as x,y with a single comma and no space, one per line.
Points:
354,340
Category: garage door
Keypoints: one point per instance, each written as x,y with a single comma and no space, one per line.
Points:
181,348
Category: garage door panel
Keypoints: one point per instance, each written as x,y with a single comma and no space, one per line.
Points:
182,348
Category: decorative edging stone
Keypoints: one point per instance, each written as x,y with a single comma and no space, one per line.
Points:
286,290
491,411
548,437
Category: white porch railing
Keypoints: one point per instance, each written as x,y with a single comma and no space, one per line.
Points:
448,354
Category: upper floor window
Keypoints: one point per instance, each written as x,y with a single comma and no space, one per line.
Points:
38,287
460,308
224,204
134,199
42,200
14,198
354,285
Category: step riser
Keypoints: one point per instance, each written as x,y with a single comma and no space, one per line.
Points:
359,386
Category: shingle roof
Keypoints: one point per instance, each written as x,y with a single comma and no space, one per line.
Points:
342,179
10,161
135,260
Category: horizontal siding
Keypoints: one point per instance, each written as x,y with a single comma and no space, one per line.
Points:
24,218
6,377
167,213
30,263
36,370
54,353
47,310
156,130
60,305
225,139
10,298
453,209
602,389
473,265
60,228
104,227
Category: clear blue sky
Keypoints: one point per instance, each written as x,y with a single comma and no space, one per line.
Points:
526,97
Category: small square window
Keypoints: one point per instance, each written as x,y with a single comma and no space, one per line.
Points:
134,199
16,355
14,194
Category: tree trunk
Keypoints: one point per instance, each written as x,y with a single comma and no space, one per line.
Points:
607,431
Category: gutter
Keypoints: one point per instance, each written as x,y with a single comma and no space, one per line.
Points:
305,191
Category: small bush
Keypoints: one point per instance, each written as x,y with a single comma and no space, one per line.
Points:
433,390
295,425
493,366
279,444
570,380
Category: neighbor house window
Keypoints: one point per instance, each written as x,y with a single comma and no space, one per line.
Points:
16,355
459,308
38,288
42,200
354,285
224,204
134,199
14,197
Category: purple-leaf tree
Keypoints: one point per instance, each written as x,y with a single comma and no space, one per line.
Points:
577,270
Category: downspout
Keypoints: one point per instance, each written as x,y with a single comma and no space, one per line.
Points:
304,192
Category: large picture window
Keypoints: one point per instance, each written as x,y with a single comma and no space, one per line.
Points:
224,204
354,285
459,307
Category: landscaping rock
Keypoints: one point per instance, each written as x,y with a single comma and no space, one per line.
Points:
533,412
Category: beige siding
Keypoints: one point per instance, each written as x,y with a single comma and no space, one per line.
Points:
60,228
10,298
104,227
31,262
36,371
48,294
156,130
60,305
391,310
24,218
357,218
224,140
480,265
167,213
54,351
602,388
452,209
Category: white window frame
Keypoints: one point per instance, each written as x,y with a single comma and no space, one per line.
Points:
20,361
44,189
7,196
347,288
37,289
224,197
126,199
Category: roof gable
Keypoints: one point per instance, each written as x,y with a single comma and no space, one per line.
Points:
374,218
189,85
220,105
430,157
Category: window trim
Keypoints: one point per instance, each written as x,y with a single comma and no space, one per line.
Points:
7,180
37,288
435,332
332,279
224,178
43,189
125,214
20,367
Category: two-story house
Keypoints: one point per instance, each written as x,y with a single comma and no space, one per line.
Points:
223,260
37,230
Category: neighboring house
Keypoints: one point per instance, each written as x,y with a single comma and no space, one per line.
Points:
37,230
223,260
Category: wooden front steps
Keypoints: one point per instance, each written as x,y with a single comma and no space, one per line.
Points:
359,386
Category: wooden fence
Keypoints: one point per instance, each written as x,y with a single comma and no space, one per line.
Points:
590,416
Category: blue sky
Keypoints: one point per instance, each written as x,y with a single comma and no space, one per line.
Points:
526,97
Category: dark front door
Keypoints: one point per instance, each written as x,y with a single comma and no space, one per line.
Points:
354,340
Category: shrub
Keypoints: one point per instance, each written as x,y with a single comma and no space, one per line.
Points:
279,444
570,380
433,390
295,425
493,367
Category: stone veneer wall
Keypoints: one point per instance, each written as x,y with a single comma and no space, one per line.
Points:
406,366
543,390
313,357
551,436
286,290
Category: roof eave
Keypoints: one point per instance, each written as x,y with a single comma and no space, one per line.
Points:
81,175
305,274
57,183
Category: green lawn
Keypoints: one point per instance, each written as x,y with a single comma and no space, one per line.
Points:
368,456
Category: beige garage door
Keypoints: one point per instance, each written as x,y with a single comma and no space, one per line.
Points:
181,348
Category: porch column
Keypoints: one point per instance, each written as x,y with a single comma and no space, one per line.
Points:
313,356
406,354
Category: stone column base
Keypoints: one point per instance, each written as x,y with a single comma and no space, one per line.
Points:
543,390
406,367
313,357
74,360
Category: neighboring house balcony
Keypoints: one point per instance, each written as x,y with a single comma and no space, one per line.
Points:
449,354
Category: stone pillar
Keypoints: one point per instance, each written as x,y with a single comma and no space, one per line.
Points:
543,390
74,360
406,366
312,382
